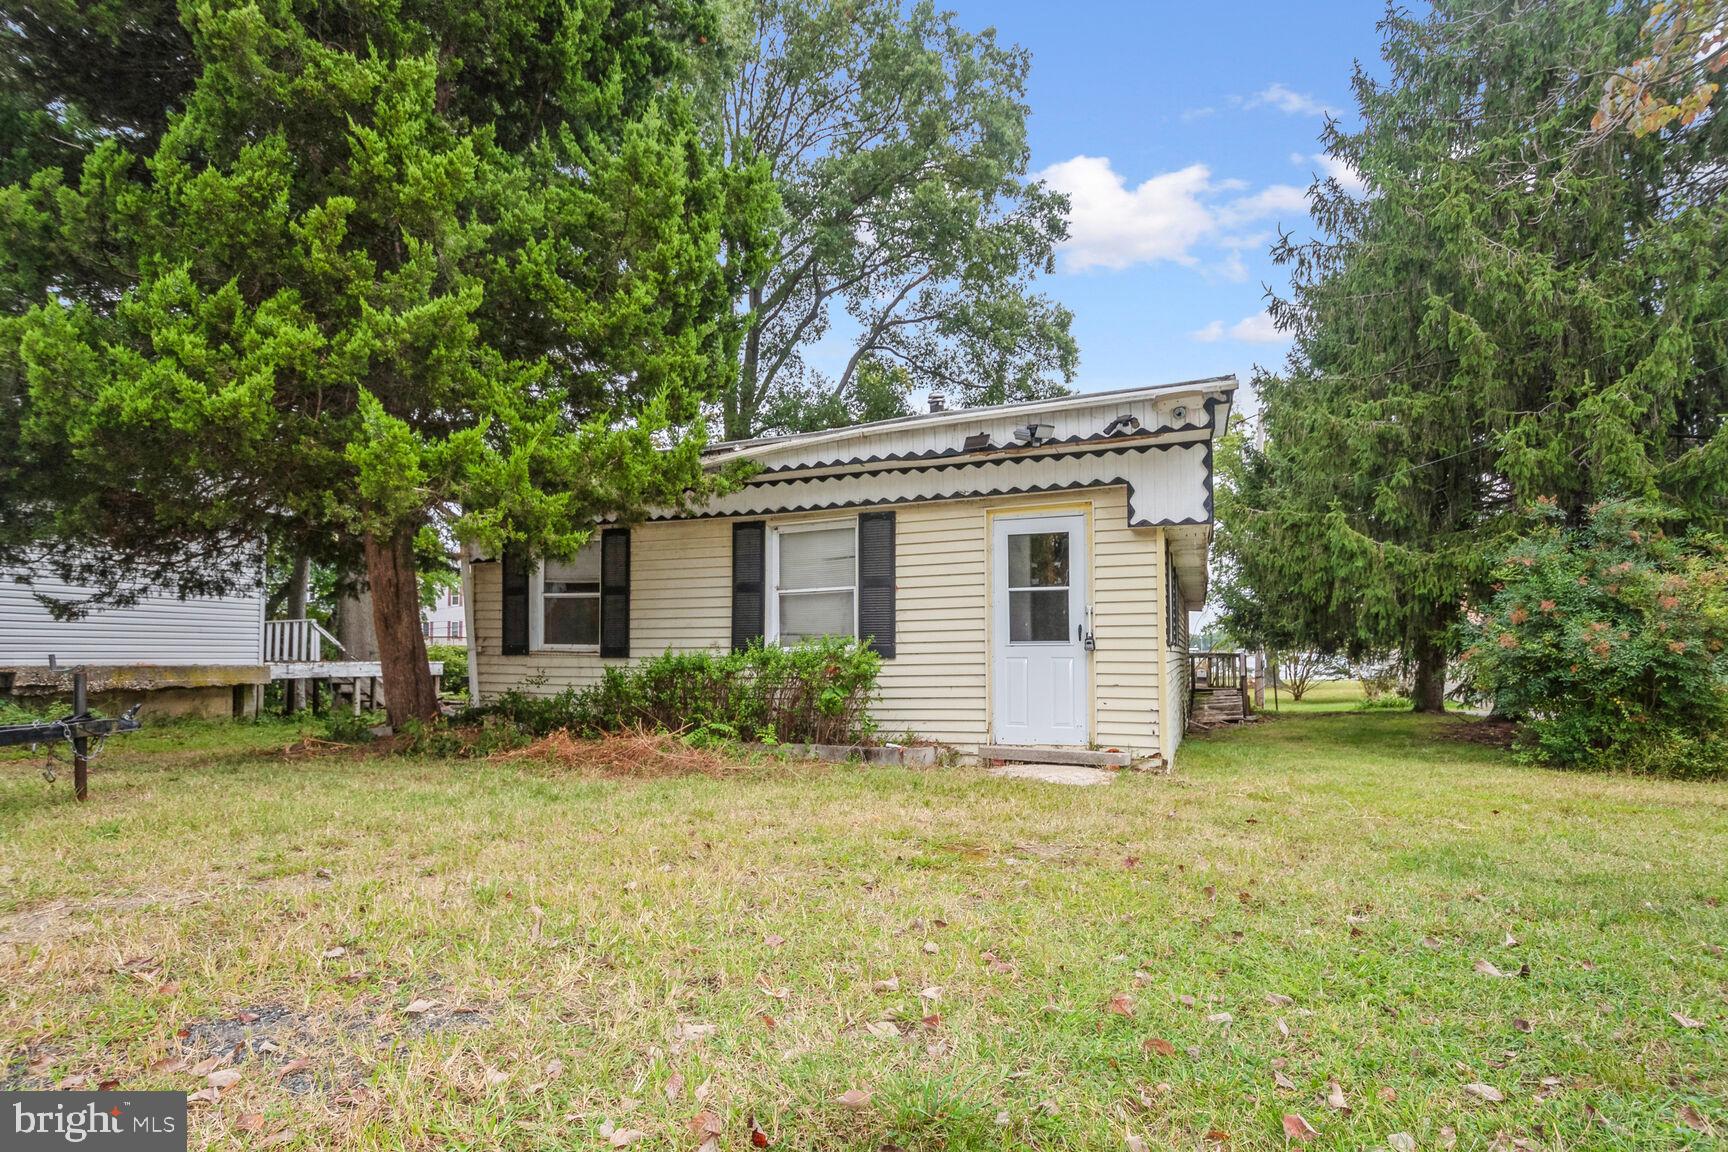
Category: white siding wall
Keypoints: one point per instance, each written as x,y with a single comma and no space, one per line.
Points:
156,630
938,685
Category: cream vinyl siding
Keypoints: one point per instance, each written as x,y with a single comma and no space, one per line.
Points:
938,685
1126,615
159,629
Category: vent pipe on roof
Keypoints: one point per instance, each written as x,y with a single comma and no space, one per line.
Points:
938,402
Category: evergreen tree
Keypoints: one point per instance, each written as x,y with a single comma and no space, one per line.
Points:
344,272
1505,314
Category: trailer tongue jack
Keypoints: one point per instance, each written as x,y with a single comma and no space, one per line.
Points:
76,730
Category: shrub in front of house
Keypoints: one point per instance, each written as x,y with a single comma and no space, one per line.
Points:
1609,641
815,692
455,660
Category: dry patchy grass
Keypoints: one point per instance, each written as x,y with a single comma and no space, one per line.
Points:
410,953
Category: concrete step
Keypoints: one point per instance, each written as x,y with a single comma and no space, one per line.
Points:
1031,754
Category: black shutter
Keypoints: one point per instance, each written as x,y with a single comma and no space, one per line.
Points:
876,581
749,577
615,592
515,574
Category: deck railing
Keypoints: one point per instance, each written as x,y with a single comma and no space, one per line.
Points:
1221,671
296,641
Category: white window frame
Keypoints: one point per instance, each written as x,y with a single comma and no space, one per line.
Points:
537,613
771,630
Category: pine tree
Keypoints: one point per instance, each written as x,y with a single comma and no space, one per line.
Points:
1504,314
351,276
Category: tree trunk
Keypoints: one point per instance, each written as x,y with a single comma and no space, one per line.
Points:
299,588
741,404
1428,694
408,689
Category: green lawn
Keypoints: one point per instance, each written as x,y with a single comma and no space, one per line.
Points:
1306,901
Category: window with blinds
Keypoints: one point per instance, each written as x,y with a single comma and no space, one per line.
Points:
816,585
569,601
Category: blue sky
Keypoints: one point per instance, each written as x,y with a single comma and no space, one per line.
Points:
1184,134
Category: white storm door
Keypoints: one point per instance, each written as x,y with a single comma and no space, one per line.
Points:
1038,619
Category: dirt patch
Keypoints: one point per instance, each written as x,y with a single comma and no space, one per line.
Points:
1488,733
636,755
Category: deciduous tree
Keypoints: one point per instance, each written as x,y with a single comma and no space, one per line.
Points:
910,230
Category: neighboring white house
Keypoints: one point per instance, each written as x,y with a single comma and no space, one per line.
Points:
202,655
446,621
1026,571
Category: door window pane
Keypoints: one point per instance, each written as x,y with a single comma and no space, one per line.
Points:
1038,615
822,558
808,614
1038,560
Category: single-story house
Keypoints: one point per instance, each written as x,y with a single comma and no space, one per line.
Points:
1026,570
200,656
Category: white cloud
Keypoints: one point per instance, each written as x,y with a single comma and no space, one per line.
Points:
1271,201
1287,99
1255,329
1164,218
1326,165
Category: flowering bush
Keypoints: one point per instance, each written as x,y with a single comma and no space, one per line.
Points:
1610,642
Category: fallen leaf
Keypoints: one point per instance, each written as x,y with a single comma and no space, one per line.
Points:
250,1122
758,1138
1448,1136
934,992
775,993
1135,1144
854,1098
1388,1095
1486,1092
624,1137
293,1067
494,1077
169,1064
674,1087
1283,1081
1487,969
554,1069
1121,1004
1686,1021
883,1029
693,1032
246,1017
773,940
1278,1000
224,1078
1158,1046
1431,943
335,952
203,1096
768,1021
1219,1018
1217,1136
277,1139
706,1123
1694,1120
1520,1024
207,1066
1296,1128
1511,941
1401,1142
1003,1120
1335,1098
892,984
420,1007
930,948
